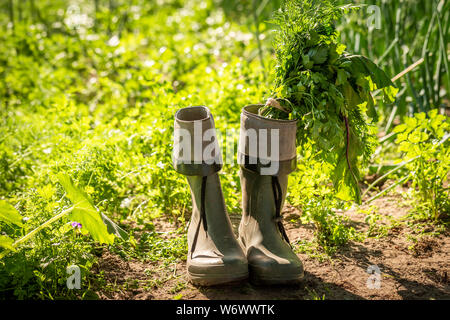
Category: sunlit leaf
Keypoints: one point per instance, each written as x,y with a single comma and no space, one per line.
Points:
6,243
9,214
85,212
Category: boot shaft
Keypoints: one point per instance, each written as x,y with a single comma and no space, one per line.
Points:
216,216
258,196
264,179
214,255
197,155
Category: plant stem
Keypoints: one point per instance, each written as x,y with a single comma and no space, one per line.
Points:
401,165
443,48
42,226
258,41
347,142
401,74
408,69
11,13
96,6
388,50
387,189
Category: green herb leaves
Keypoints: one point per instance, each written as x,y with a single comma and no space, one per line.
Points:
318,54
423,140
359,65
327,89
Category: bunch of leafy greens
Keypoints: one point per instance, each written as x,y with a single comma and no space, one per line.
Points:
327,89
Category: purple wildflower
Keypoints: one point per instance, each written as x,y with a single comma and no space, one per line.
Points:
76,224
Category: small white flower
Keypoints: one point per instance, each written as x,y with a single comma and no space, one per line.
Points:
125,203
149,63
161,165
114,41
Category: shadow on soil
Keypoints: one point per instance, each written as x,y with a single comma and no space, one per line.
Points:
410,290
310,288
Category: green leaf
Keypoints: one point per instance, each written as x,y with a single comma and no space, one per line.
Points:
402,136
362,65
346,173
113,228
85,212
400,128
345,182
417,136
318,54
9,214
390,93
341,77
352,98
371,111
7,243
307,63
340,48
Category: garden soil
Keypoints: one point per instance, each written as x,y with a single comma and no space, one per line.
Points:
407,269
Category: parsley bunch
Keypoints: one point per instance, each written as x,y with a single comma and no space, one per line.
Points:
327,89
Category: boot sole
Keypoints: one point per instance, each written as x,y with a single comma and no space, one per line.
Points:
275,280
207,280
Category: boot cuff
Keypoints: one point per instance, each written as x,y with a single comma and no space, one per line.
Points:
196,149
266,142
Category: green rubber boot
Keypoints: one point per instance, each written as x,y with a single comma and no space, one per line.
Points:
264,181
214,255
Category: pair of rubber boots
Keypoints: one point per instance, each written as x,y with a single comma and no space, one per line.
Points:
262,251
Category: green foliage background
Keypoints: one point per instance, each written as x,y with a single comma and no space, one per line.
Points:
89,89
